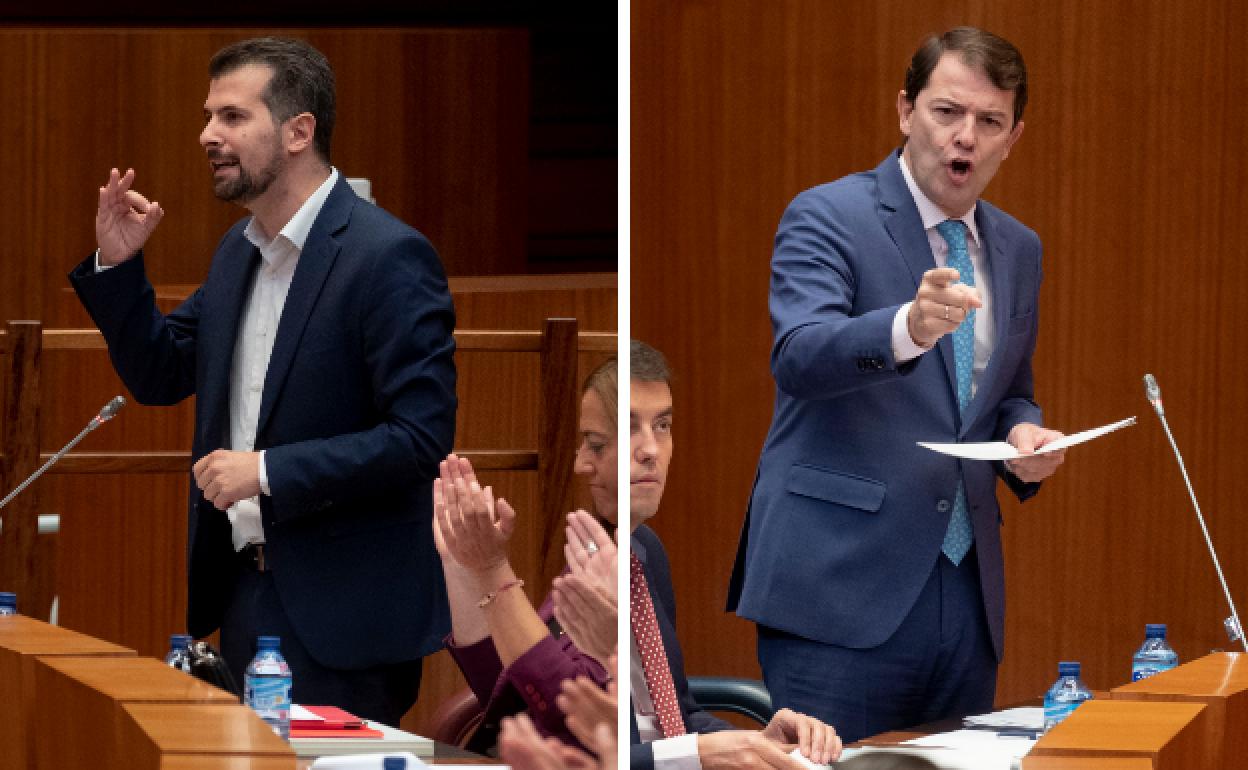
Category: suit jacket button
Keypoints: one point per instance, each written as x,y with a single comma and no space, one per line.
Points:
942,506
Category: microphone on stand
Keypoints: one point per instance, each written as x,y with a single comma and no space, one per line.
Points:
107,413
1233,628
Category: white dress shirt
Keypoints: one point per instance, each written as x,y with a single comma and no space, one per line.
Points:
904,346
257,330
679,753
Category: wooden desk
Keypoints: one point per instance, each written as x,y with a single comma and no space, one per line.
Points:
92,693
1168,734
153,734
1219,681
23,640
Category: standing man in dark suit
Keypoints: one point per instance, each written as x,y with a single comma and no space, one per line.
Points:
904,309
669,730
319,349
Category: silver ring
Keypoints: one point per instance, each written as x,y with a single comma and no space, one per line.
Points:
591,547
946,312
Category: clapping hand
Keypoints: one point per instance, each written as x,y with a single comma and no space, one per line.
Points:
523,748
471,527
585,601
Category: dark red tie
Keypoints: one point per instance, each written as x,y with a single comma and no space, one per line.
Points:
653,657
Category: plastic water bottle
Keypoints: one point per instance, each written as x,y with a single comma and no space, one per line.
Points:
8,603
1065,695
266,685
179,656
1155,655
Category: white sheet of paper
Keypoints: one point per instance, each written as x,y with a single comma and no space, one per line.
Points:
999,450
959,750
1020,717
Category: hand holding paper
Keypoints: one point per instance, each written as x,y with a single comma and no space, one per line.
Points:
1028,439
1000,450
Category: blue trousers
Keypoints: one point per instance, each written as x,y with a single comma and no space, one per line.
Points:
939,664
382,693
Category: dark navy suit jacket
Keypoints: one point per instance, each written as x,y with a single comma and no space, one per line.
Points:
358,407
847,514
649,549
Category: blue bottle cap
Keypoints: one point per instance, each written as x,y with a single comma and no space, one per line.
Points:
394,763
177,641
8,599
268,642
1155,630
1068,668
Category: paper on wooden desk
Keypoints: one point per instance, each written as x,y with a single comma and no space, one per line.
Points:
999,450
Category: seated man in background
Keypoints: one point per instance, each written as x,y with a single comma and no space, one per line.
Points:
669,729
514,657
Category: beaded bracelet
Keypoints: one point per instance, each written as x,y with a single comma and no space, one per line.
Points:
492,595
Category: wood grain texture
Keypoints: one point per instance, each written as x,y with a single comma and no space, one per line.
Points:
1126,170
437,119
18,570
1218,680
1168,734
24,640
90,693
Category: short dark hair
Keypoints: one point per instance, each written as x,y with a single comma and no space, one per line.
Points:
998,57
645,364
302,81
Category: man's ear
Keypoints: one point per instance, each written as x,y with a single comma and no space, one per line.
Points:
1015,133
299,132
905,108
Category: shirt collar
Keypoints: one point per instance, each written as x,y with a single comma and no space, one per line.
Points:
929,212
297,229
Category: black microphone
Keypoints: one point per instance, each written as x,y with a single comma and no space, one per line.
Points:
107,413
1233,628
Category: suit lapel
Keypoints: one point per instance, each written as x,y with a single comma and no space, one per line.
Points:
223,308
901,219
999,271
315,262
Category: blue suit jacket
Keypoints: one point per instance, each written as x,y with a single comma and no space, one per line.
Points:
847,514
649,550
358,407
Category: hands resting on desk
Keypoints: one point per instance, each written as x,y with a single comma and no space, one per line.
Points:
770,747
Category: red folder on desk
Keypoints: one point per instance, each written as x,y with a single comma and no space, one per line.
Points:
331,722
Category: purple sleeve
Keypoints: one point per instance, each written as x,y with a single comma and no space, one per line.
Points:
480,665
538,675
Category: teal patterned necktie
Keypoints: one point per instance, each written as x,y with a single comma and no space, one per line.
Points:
959,534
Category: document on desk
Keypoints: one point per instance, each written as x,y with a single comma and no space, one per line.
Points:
957,750
999,450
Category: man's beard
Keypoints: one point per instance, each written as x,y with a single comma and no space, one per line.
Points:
245,187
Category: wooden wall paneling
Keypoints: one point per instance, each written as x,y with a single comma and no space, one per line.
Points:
451,105
738,106
19,572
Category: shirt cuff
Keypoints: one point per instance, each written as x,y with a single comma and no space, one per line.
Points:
679,753
904,347
98,267
264,477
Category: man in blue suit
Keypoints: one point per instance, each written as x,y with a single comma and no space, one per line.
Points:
904,310
319,349
670,731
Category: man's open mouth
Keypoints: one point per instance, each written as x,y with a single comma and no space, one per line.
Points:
960,168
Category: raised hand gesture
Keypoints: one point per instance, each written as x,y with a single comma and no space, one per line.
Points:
124,220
